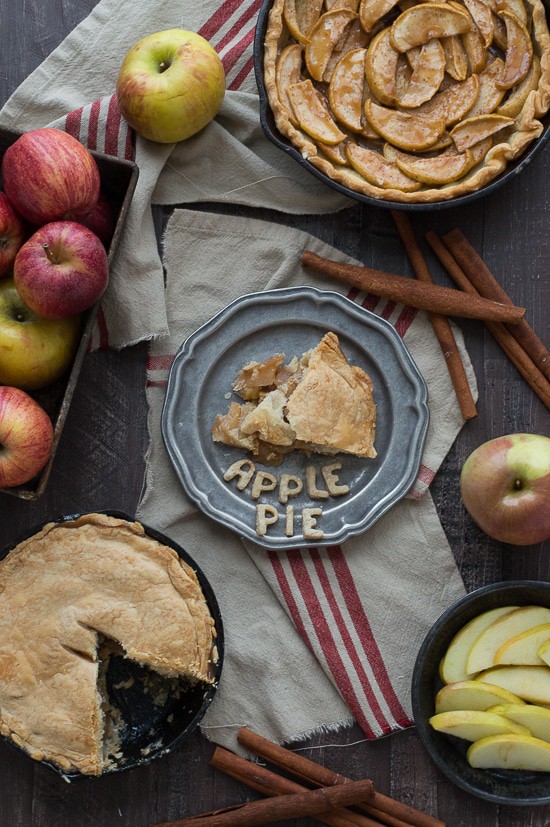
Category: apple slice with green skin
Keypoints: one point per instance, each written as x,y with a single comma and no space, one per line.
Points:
472,130
404,129
483,651
515,101
300,16
370,11
454,101
519,51
427,75
510,752
425,21
345,92
490,93
378,171
312,114
523,648
530,683
475,724
453,665
535,718
323,38
473,695
288,72
444,168
381,67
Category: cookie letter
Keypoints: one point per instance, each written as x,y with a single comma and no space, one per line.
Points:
289,486
262,482
238,470
289,521
311,483
332,481
309,522
266,515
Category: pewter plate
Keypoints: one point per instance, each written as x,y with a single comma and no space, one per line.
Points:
291,321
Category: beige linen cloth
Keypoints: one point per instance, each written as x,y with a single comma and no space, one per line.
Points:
315,638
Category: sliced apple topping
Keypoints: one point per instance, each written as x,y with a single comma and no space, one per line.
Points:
517,7
444,168
456,61
490,93
289,71
425,21
380,172
519,51
300,17
517,97
471,130
483,18
337,153
312,113
426,77
371,11
352,5
476,52
404,129
323,39
345,92
455,101
381,67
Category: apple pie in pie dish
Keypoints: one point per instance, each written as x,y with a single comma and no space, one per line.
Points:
72,594
411,102
317,403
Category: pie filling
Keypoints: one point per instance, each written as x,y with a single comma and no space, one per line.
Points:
75,598
317,403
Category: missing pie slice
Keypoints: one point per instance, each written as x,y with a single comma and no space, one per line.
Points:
64,592
318,403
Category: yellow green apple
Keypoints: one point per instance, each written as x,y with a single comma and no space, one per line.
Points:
510,752
535,718
530,683
472,695
475,724
484,649
171,84
453,664
523,648
34,351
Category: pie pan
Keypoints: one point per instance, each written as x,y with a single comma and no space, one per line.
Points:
291,321
271,131
155,724
447,752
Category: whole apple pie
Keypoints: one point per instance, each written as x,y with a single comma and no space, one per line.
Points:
71,595
408,101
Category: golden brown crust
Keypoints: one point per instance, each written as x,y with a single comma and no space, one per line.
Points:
59,591
507,145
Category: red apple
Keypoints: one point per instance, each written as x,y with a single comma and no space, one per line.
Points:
26,437
61,270
170,85
34,352
100,219
505,486
46,173
12,234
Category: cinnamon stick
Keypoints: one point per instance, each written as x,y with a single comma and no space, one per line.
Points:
293,805
440,324
432,297
317,774
487,286
270,784
521,360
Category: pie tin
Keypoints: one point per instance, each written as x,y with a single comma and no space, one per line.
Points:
118,182
269,127
512,787
152,729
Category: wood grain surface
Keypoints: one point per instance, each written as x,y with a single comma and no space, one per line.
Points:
100,465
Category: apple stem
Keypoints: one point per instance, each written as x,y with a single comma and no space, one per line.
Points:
49,253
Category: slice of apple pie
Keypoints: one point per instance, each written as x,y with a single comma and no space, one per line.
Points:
317,403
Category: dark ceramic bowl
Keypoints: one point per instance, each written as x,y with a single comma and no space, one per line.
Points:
270,129
447,752
152,728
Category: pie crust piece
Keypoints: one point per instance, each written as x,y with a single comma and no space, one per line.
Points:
62,592
319,403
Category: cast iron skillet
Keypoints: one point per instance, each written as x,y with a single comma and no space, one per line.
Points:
267,122
152,729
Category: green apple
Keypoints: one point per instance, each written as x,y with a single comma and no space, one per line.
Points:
510,752
475,724
483,651
170,85
34,352
505,486
530,683
453,665
535,718
473,695
523,648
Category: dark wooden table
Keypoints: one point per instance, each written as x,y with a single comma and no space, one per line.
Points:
100,465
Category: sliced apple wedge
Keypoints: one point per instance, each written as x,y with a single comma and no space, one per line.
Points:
515,101
323,39
490,94
337,153
453,665
345,91
519,51
381,67
530,683
427,75
312,113
371,11
535,718
523,648
454,101
379,171
476,53
472,695
456,60
544,653
421,23
510,752
288,72
404,129
300,16
483,18
517,7
353,5
440,169
471,130
503,629
474,724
